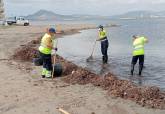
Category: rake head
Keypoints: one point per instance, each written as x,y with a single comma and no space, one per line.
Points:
89,59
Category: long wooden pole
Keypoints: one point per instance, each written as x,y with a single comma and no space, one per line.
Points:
54,60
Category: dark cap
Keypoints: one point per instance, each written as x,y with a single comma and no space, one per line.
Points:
52,30
135,36
101,26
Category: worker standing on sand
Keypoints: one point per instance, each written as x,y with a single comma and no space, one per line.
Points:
104,44
47,45
138,52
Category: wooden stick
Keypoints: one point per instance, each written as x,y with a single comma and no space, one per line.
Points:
63,111
54,60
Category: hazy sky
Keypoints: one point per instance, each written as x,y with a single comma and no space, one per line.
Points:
95,7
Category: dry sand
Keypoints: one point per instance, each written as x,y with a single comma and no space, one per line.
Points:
22,91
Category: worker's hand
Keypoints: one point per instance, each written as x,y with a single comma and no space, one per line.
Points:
97,39
146,40
55,49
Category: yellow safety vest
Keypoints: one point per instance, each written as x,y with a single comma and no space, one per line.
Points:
138,45
102,34
44,42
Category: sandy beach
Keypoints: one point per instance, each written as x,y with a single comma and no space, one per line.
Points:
23,91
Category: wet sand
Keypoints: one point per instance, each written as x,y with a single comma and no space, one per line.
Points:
23,90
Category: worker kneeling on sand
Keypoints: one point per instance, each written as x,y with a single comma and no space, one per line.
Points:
48,42
104,44
138,52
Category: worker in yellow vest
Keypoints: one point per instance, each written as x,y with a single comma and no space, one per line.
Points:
138,52
104,43
47,45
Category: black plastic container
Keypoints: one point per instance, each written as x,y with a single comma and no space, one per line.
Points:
58,70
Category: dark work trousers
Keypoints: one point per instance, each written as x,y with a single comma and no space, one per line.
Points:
47,61
141,63
104,49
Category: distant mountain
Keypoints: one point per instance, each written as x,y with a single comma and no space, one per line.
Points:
140,15
49,15
46,15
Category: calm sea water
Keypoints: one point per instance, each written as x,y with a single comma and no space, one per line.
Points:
77,48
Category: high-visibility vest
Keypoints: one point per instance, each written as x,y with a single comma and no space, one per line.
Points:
138,45
102,34
44,42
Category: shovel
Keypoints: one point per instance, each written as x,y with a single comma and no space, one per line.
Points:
91,57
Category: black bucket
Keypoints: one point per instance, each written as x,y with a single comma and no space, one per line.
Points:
58,70
38,61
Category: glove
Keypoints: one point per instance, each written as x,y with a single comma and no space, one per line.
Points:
56,49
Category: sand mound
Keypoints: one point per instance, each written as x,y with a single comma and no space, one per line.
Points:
25,53
145,96
81,76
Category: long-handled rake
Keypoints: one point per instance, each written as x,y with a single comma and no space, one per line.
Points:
91,56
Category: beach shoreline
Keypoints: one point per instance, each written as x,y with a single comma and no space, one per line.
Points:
62,30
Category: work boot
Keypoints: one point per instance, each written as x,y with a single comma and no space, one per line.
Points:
103,59
132,69
48,74
106,59
43,72
140,69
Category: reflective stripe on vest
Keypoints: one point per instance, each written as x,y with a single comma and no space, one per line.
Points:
139,46
44,50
